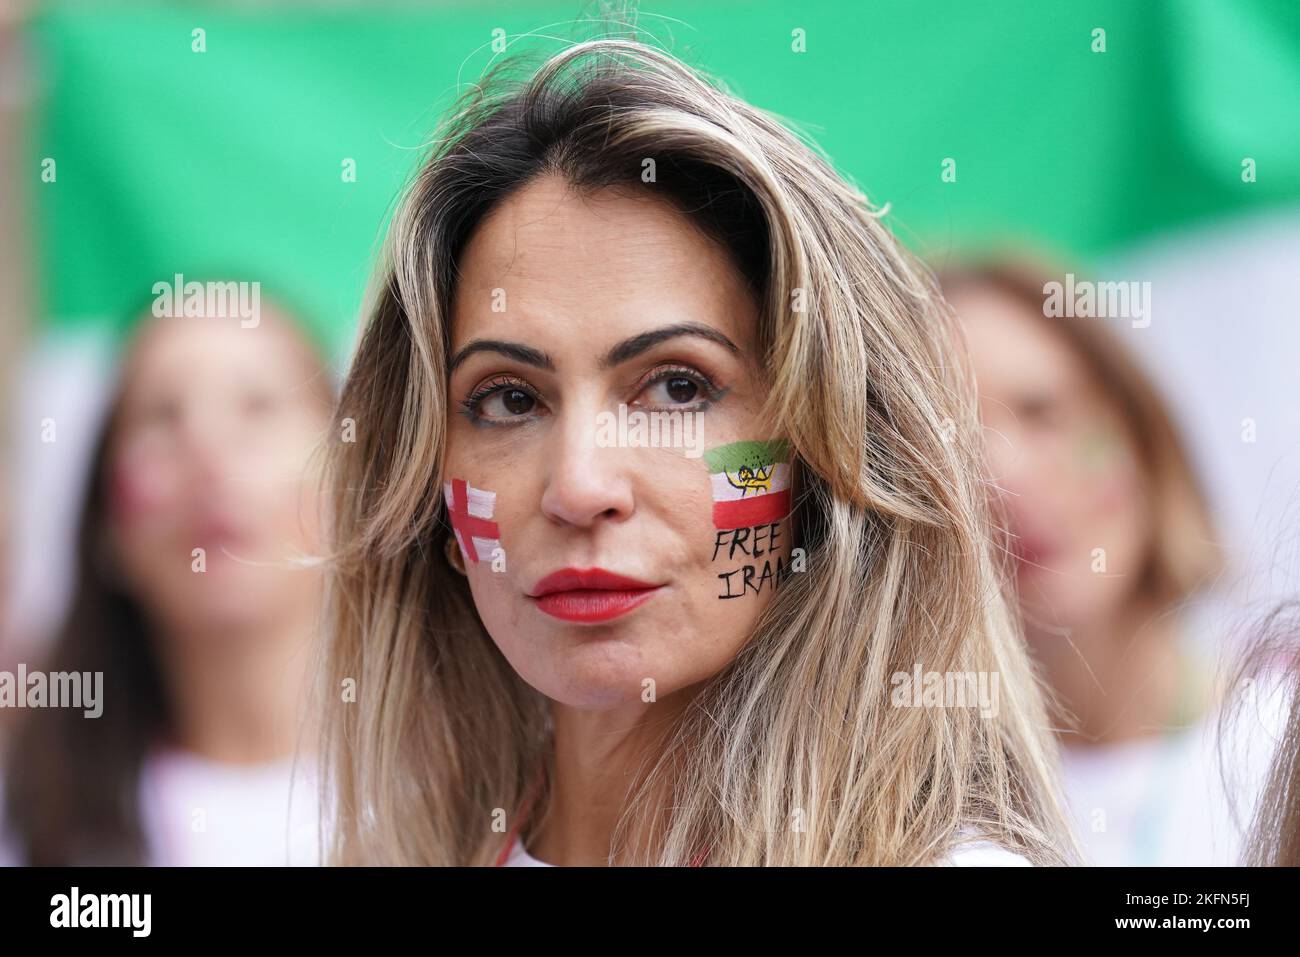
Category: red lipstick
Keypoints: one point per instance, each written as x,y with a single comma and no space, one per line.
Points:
590,595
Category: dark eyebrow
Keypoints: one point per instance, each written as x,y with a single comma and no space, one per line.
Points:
511,350
633,347
625,350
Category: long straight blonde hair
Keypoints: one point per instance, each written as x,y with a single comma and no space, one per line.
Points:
793,754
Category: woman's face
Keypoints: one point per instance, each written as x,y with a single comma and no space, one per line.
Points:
569,305
1059,449
215,434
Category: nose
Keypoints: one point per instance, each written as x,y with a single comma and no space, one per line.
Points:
585,483
210,445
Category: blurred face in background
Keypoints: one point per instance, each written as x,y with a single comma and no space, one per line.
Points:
212,450
1060,449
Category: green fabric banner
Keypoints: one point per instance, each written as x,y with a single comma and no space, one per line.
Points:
1083,126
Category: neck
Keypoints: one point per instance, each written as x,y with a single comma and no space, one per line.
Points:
235,694
1117,678
598,755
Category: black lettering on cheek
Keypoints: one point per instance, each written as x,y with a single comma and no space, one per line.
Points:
717,543
738,538
756,541
726,577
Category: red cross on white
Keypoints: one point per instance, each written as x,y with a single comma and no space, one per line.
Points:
471,510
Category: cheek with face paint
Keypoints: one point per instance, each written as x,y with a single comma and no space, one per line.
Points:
142,487
1099,528
1106,468
1100,482
687,569
750,483
471,512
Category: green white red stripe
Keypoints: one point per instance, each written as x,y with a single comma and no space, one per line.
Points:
751,483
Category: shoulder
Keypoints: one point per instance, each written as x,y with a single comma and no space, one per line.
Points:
264,814
983,853
519,857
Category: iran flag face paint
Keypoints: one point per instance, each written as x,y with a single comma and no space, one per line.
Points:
751,483
471,510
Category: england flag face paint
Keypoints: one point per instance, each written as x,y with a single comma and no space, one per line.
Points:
471,510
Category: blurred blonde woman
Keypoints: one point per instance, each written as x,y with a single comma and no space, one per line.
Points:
1115,540
550,644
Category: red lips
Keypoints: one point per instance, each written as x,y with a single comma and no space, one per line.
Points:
590,595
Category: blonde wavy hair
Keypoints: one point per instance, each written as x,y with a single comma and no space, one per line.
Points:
869,385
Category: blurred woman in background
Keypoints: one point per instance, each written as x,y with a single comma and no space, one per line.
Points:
204,654
1113,535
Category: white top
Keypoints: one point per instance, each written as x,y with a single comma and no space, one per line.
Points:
1182,799
969,854
202,812
199,812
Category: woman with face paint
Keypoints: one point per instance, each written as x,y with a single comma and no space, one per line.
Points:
663,538
1113,535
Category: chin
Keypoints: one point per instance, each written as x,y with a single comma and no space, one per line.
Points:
235,607
597,676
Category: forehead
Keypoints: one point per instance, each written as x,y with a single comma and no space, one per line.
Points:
195,350
1012,348
594,266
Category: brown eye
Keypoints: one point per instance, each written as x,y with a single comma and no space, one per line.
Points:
258,403
673,388
517,401
503,402
164,413
681,389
